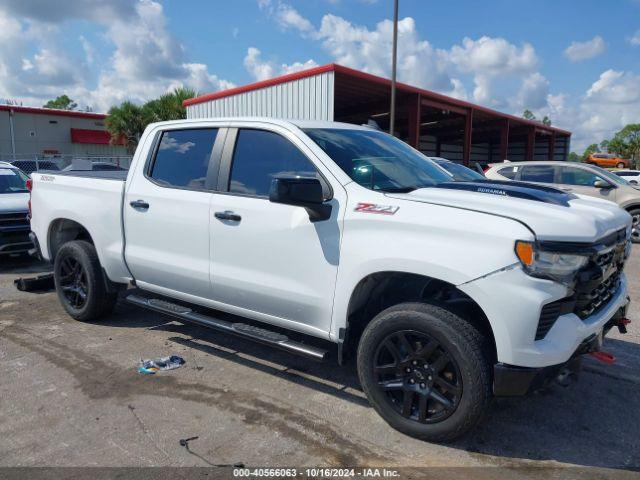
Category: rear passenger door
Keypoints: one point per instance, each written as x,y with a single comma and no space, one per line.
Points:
269,261
166,213
538,174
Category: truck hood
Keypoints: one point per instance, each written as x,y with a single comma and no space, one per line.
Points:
14,202
549,213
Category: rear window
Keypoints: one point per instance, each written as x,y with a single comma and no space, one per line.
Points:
12,181
182,159
537,173
509,172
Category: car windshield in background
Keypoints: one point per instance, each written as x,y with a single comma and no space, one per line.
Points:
12,181
378,161
460,172
611,176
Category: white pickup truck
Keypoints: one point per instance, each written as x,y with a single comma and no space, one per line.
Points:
446,293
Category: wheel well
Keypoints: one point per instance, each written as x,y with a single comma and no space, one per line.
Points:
381,290
628,208
64,230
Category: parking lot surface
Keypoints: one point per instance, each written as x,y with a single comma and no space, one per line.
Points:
71,396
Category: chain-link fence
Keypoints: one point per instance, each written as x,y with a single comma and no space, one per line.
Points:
34,163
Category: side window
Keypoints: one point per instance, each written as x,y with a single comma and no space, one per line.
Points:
259,156
183,156
509,172
537,173
577,176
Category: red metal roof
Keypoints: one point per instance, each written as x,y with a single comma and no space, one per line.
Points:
366,77
93,137
53,111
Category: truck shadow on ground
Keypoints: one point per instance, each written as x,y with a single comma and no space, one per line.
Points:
590,423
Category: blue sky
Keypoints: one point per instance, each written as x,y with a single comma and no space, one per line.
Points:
576,61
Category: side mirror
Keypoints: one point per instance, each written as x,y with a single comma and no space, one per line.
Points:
301,192
602,184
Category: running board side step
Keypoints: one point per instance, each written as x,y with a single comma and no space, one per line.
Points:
243,330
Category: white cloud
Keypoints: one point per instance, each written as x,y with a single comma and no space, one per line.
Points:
146,60
493,56
533,93
635,39
286,16
263,69
578,51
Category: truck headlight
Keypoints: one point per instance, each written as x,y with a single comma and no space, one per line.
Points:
561,267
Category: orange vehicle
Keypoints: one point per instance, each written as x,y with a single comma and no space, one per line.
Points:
608,160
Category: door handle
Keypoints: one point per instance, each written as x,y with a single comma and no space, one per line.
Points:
139,205
228,215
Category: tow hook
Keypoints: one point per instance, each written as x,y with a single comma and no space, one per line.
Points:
622,324
604,357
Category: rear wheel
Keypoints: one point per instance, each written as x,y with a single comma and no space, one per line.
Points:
425,370
80,282
620,165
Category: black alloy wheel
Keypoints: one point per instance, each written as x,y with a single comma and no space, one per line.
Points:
73,282
420,379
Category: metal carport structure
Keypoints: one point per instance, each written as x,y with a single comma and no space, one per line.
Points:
436,124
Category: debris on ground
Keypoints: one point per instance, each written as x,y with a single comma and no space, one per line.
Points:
184,442
162,363
41,283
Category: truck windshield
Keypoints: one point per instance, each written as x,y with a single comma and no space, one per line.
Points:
12,181
378,161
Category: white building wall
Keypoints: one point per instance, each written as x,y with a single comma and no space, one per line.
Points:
309,98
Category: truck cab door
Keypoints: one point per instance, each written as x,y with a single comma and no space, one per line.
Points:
270,261
166,212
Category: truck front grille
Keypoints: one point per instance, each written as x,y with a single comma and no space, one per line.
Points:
596,284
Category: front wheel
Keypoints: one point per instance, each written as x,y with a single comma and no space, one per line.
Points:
621,165
80,282
426,371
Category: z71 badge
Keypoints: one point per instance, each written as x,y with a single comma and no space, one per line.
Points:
375,208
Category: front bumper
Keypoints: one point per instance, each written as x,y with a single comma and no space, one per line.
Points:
512,302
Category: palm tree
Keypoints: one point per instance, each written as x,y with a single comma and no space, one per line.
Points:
168,106
125,123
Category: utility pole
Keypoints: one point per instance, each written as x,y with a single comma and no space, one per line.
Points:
394,61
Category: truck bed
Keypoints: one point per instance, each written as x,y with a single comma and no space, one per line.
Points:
92,199
120,175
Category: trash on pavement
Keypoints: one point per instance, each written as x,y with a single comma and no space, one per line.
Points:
162,363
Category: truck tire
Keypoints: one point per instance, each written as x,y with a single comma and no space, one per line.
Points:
426,371
80,282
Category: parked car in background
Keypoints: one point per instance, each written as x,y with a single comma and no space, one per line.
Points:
30,166
607,160
14,211
460,173
576,178
93,166
631,176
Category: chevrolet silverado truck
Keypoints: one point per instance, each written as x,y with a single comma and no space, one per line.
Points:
14,215
445,293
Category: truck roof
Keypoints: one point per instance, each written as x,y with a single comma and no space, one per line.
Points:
275,121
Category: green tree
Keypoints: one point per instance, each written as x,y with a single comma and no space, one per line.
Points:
628,140
126,123
63,102
546,121
574,157
593,148
528,115
168,106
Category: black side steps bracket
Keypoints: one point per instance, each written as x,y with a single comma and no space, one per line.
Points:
243,330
